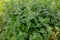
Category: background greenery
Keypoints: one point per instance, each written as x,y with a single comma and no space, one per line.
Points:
29,19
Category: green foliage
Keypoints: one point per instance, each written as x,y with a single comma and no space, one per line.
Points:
29,19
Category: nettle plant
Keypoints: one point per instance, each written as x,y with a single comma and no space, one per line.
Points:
29,20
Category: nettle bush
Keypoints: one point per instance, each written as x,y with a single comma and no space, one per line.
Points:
30,20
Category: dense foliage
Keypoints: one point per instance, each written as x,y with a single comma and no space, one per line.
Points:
29,20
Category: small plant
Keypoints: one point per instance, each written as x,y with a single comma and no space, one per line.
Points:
30,20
